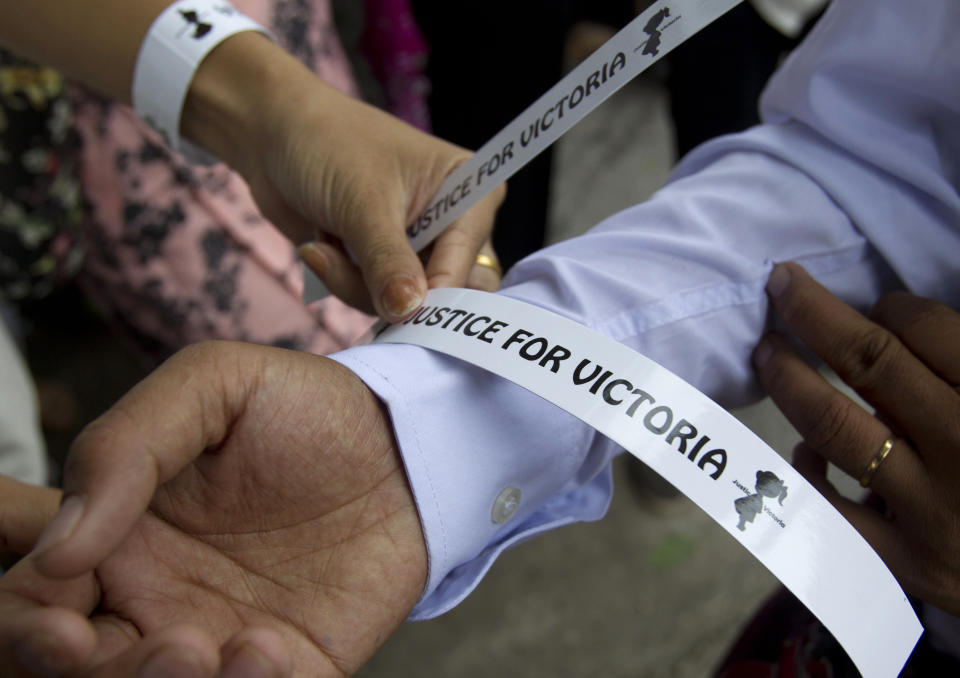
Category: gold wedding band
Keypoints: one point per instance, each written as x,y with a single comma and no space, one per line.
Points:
874,464
489,262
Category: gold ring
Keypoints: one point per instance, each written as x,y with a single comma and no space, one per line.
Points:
489,262
874,464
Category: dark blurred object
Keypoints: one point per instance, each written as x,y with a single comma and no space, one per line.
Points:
71,349
487,63
40,198
715,78
785,639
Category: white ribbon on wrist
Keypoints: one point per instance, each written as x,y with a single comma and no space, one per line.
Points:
176,44
749,489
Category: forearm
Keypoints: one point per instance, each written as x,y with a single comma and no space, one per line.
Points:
95,43
228,98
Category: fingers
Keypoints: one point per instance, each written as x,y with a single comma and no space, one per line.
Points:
189,652
50,641
345,281
392,272
339,274
455,251
44,640
866,356
182,651
43,625
116,464
928,328
255,653
880,533
831,424
486,273
452,263
24,511
39,639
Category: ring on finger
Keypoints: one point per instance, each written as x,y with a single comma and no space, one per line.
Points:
874,464
489,262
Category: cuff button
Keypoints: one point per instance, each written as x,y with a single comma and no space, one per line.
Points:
506,505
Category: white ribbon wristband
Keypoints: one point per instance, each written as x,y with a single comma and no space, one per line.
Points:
749,489
176,44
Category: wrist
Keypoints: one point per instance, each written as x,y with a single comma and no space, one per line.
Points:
177,45
221,107
242,95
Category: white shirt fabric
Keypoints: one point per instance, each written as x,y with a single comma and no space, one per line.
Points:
854,174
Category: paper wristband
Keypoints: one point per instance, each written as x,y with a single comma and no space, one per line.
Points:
697,446
641,43
177,42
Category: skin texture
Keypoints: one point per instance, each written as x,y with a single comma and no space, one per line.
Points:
240,504
903,361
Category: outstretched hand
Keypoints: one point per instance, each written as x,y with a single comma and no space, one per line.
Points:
243,507
904,362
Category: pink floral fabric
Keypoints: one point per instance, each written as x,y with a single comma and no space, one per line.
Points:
177,253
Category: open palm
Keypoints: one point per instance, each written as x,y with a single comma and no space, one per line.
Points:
280,504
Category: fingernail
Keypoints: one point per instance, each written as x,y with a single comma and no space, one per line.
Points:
248,662
43,654
778,281
401,295
762,353
171,662
313,257
62,525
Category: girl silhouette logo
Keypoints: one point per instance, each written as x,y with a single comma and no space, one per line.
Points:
768,485
200,28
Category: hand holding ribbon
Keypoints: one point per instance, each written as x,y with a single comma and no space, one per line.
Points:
903,361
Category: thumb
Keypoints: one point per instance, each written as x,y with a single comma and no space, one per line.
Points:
116,464
391,270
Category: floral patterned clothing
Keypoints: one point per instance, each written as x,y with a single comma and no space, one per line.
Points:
40,200
178,253
173,253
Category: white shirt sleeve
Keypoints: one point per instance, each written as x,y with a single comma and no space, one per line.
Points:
681,278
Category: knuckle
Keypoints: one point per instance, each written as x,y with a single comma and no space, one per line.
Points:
830,421
773,374
458,239
378,256
865,358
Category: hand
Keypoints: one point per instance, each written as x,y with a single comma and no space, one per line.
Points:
904,362
281,530
321,164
